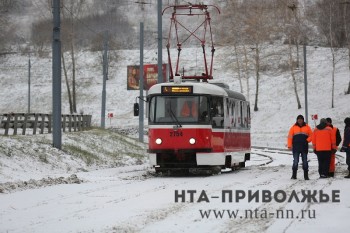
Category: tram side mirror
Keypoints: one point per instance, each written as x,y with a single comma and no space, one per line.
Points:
136,109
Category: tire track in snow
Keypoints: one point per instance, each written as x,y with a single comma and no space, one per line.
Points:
264,224
182,208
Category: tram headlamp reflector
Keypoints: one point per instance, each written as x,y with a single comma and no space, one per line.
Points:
158,141
192,141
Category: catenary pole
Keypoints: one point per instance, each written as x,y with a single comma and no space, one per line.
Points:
29,67
160,42
56,77
141,133
305,83
105,77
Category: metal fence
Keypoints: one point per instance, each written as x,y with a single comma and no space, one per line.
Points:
13,122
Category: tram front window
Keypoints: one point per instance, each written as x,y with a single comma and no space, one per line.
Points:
181,109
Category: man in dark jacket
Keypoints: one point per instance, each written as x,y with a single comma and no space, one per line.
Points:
346,143
300,134
336,132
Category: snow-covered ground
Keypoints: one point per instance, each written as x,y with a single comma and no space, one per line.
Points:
100,181
134,199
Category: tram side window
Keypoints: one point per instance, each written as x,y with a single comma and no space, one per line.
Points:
229,117
248,115
203,109
217,112
242,113
233,114
160,108
151,109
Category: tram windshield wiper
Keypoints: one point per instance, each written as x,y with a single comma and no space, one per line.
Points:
174,118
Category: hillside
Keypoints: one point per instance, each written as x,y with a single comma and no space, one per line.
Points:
32,157
277,102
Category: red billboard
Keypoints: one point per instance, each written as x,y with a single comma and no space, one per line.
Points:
150,76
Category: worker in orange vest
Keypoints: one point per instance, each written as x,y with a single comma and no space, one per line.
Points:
298,138
189,109
323,141
336,132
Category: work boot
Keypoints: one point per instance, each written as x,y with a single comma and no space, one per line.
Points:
306,175
294,176
331,174
348,176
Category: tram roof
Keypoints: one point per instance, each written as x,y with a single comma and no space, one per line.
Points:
200,88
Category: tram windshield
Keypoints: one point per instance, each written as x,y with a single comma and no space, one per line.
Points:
179,109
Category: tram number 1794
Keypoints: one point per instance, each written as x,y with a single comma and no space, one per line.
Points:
176,134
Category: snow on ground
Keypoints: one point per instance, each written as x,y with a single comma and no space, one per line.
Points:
100,181
133,199
33,157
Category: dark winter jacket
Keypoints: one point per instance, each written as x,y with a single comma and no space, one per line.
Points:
337,134
346,142
299,137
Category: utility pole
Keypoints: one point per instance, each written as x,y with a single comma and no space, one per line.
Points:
29,67
141,133
305,83
56,76
105,78
160,42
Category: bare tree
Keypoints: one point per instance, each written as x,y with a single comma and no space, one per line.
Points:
259,27
292,71
238,67
72,11
230,34
246,69
67,84
292,29
330,23
346,22
250,24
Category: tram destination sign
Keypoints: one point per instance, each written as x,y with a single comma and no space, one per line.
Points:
177,89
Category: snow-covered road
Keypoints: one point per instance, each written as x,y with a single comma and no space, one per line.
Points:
134,199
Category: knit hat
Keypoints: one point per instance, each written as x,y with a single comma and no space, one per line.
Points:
300,117
323,121
347,121
329,120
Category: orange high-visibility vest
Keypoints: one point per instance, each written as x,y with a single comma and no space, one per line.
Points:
323,139
188,111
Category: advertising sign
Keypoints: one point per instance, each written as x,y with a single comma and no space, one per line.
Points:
150,76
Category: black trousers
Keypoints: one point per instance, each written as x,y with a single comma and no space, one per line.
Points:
324,160
348,158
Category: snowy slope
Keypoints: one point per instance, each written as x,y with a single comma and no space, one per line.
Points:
277,102
123,194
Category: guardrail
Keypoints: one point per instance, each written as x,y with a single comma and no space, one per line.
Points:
39,121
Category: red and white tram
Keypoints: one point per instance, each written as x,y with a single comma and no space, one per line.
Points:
197,125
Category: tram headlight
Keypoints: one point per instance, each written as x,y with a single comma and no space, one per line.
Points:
192,141
158,141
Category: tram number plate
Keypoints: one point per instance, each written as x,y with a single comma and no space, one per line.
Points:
176,134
